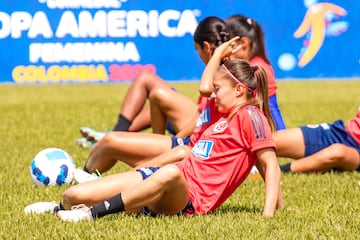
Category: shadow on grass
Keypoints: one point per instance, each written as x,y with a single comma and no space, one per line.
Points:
237,209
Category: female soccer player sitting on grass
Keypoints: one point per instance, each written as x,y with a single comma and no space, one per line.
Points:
219,162
321,147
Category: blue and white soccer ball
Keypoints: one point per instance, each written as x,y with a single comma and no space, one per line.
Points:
52,167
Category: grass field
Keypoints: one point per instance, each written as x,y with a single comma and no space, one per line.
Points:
34,117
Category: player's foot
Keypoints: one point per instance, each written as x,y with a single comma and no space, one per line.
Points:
91,134
77,213
80,176
84,143
41,208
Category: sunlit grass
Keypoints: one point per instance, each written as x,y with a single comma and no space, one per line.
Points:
34,117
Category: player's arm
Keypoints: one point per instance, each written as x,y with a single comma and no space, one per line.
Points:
220,53
261,169
269,170
173,155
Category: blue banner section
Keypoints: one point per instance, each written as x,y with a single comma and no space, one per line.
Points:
51,41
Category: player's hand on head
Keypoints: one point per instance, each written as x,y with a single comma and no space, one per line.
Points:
225,50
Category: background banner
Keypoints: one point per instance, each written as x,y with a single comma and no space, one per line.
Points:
52,41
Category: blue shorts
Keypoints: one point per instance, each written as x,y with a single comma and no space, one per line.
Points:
170,128
147,172
175,141
320,136
275,113
187,211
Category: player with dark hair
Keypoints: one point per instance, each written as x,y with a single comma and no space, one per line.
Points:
253,49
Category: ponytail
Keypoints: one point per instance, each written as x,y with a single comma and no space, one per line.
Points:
240,25
262,94
254,79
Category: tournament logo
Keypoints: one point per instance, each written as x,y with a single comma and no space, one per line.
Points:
321,20
318,23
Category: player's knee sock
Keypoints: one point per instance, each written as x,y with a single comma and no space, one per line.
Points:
58,208
122,124
112,205
285,168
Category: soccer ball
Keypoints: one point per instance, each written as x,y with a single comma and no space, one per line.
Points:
52,167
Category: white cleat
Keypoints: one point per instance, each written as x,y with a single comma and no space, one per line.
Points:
77,213
80,176
84,143
91,134
41,208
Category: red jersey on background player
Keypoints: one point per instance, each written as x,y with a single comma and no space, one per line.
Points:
352,127
208,114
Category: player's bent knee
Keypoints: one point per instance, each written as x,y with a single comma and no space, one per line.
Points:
157,94
70,197
183,152
144,77
169,173
111,138
337,151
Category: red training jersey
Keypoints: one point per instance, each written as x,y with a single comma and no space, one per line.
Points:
352,127
269,73
223,156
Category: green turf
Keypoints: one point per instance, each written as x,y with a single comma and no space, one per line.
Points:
34,117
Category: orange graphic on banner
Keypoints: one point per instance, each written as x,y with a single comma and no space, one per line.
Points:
314,24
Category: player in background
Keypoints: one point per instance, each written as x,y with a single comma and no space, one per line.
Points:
321,147
222,158
253,49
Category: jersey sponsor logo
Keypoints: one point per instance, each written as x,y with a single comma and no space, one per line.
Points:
203,148
204,117
221,126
